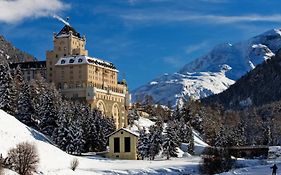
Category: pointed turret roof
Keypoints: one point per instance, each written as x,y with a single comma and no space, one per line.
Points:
66,31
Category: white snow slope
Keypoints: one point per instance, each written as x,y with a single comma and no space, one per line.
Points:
202,77
177,87
54,161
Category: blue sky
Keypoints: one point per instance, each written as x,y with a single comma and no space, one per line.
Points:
143,38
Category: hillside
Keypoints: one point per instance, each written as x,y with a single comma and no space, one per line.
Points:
235,59
11,53
258,87
55,161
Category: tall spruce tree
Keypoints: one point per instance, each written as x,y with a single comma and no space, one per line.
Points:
47,112
143,144
7,91
61,134
155,139
170,141
25,109
190,139
75,136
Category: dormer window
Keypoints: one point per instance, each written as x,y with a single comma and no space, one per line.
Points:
62,61
80,60
71,61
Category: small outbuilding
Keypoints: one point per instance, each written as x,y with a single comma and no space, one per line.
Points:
123,144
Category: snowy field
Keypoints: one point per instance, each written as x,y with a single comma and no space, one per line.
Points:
54,161
254,170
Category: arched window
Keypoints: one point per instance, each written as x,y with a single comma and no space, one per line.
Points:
62,61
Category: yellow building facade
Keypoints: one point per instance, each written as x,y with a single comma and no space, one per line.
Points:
79,76
122,144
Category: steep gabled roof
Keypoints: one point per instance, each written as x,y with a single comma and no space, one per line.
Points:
66,30
126,130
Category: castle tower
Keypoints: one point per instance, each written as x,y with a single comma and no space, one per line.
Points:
66,43
85,78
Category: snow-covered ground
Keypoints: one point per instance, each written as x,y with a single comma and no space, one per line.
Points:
54,161
254,170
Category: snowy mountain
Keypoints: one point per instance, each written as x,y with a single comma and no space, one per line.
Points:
169,88
214,72
258,87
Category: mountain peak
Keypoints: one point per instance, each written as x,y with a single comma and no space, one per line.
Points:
213,72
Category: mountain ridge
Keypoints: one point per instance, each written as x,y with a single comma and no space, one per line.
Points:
240,58
12,54
258,87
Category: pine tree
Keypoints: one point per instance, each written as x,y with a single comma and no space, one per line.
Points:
47,112
7,91
61,134
221,139
24,106
143,144
18,85
183,131
170,142
190,139
38,87
238,136
104,126
89,131
75,136
155,139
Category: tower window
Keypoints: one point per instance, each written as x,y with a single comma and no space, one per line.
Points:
71,61
80,60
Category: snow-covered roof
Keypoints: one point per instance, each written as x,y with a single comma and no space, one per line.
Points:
126,130
81,59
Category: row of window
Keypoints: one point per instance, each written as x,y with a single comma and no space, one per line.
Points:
107,97
80,60
90,84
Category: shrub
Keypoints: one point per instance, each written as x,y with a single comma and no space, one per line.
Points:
24,158
74,164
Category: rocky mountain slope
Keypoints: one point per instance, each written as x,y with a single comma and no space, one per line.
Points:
218,69
11,53
258,87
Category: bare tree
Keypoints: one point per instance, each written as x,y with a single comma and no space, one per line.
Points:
74,164
24,158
